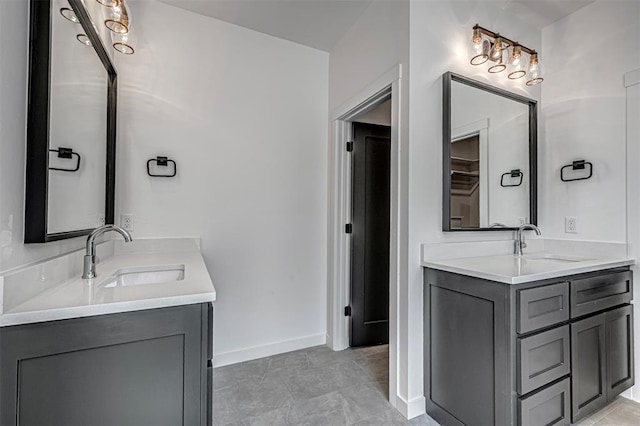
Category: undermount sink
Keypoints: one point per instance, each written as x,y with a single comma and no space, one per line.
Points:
554,258
144,275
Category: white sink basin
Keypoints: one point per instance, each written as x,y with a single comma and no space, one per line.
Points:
554,258
144,275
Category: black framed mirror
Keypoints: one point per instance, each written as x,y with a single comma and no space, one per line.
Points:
71,124
489,152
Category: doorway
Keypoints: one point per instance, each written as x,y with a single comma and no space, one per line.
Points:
386,87
370,195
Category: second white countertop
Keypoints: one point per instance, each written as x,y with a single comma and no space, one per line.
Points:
512,269
77,297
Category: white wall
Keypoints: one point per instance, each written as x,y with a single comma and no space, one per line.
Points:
376,43
586,55
14,42
244,116
440,34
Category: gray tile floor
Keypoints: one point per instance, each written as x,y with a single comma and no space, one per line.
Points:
318,386
315,386
621,412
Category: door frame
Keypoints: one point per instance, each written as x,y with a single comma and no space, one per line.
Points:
339,243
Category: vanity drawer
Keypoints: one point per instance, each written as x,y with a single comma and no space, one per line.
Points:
597,293
550,406
542,306
543,358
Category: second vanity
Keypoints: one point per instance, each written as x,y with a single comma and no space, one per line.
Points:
131,346
539,339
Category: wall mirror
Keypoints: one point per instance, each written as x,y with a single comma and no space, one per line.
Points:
70,179
489,157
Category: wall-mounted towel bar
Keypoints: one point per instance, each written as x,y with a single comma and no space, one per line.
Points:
515,173
577,165
161,161
66,153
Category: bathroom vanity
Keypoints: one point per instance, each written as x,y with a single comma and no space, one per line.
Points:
526,340
132,346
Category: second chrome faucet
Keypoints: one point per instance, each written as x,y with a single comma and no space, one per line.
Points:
519,242
90,255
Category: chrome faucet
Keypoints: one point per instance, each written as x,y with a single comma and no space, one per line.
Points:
90,255
519,243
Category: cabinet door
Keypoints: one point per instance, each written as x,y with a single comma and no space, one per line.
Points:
588,361
129,369
620,374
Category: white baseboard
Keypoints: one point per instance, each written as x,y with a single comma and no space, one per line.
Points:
255,352
413,408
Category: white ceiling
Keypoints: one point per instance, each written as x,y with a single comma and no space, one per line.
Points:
544,12
315,23
322,23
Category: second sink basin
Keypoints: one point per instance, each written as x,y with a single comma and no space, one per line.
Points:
145,275
554,258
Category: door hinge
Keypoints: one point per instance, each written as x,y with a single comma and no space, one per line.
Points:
348,228
349,146
347,311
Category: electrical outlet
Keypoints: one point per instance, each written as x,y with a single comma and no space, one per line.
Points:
126,221
100,220
571,225
522,221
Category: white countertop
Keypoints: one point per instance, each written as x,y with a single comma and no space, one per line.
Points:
76,297
512,269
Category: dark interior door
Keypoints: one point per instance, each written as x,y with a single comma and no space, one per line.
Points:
370,235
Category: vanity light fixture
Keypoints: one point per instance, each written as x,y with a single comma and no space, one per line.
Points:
484,50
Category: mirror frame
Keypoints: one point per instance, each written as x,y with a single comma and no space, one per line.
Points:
37,161
447,79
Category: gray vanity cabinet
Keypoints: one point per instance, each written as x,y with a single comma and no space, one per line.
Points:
541,353
150,367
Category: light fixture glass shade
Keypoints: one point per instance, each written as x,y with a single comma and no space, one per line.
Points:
499,66
123,43
496,50
517,64
69,15
479,48
118,22
108,3
534,73
82,38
